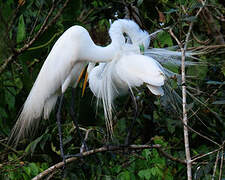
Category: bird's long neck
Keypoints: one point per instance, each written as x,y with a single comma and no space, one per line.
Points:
100,54
94,53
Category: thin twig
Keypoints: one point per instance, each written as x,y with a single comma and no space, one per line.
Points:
221,162
205,137
35,23
199,157
215,166
3,66
41,30
56,16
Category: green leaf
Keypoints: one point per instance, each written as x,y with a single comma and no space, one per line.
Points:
171,11
139,2
219,102
32,146
18,84
190,18
124,175
27,170
146,153
34,168
21,32
145,173
215,82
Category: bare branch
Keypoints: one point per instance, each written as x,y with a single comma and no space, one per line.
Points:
199,157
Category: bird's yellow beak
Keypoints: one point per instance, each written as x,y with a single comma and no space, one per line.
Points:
80,76
85,83
85,79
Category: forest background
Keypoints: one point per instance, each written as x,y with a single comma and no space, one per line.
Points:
29,29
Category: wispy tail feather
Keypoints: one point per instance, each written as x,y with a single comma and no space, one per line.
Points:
38,102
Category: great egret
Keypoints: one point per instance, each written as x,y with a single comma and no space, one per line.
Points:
131,69
71,52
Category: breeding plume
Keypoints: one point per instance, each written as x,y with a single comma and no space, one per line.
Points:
69,55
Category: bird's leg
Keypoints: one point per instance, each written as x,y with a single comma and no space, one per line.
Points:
127,140
58,116
73,116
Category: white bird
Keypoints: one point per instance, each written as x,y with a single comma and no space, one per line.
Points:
69,55
130,69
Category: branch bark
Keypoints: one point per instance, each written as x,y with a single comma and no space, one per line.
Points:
184,103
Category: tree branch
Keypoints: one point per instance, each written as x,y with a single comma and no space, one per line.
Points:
91,152
184,94
171,157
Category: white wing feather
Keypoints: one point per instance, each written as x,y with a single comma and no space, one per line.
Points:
138,69
48,85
